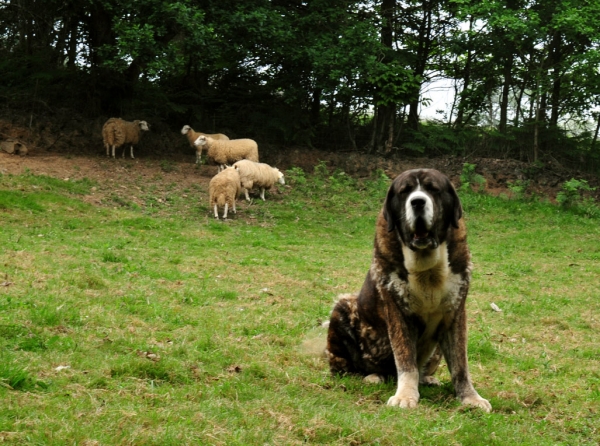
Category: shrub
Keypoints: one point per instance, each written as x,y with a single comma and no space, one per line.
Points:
571,193
469,180
518,188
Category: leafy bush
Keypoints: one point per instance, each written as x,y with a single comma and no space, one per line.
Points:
295,176
571,197
470,180
571,193
518,188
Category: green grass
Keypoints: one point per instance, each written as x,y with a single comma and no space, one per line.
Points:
156,325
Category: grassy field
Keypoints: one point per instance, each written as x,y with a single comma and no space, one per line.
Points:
155,325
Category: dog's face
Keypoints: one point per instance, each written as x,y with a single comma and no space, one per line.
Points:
421,205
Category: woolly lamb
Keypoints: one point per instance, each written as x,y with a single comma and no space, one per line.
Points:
193,136
223,190
223,153
259,175
116,133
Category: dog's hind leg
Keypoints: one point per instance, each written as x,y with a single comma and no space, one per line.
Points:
343,350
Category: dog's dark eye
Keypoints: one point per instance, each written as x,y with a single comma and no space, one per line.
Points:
432,187
404,189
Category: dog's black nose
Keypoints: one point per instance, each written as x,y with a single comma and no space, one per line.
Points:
417,203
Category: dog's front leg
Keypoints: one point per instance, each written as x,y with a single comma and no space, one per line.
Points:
404,346
454,347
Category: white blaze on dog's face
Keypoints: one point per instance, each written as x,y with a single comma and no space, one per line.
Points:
419,214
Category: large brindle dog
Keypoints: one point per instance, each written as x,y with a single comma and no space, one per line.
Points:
411,308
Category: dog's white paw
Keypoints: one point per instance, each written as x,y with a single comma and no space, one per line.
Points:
430,381
403,401
373,378
477,401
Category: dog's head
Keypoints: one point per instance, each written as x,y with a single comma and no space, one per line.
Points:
421,205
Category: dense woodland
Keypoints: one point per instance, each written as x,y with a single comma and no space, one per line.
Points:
330,74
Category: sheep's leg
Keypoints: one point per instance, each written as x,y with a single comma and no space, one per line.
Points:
114,148
234,211
107,149
216,212
132,152
247,196
225,213
262,194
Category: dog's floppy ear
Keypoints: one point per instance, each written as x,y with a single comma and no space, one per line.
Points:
456,207
389,212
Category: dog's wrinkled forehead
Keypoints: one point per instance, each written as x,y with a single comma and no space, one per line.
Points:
425,179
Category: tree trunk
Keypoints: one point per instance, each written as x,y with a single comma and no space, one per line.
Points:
595,133
508,64
423,51
536,130
519,110
390,139
384,113
315,107
556,83
458,123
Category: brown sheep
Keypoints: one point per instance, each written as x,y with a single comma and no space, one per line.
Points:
116,133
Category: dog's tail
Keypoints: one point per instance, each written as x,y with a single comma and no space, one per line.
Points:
315,341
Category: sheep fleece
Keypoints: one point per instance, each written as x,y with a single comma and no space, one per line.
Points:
224,187
228,152
117,132
256,174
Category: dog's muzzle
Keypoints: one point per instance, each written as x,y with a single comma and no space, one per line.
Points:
419,219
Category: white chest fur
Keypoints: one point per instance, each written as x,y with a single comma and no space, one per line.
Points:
431,288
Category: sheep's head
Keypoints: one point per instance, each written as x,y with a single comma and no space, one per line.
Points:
185,129
280,178
200,141
143,125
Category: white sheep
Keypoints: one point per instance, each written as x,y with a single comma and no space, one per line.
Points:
223,190
224,153
193,136
116,133
259,175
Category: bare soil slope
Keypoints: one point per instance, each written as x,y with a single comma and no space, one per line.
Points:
121,177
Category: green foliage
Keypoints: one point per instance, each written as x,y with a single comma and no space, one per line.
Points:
395,84
518,188
174,62
571,192
471,180
295,176
571,196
